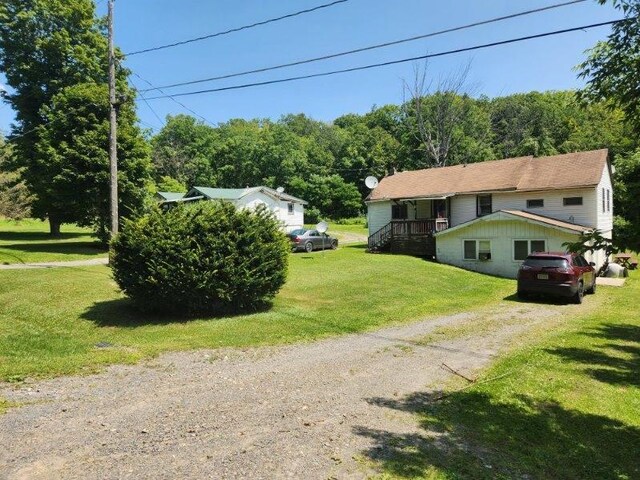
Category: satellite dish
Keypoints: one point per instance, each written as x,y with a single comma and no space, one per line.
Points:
280,189
371,182
322,227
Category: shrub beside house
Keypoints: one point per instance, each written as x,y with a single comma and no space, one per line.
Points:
287,209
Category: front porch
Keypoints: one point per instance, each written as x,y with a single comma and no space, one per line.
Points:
407,225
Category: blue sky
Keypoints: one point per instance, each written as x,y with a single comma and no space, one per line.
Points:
541,64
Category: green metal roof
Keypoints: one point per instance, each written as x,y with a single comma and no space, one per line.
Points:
170,195
222,193
238,193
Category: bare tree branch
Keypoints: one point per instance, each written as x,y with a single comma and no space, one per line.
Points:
438,112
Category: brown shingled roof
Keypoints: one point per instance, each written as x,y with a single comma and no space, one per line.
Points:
570,170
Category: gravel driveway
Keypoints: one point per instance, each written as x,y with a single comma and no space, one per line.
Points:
275,412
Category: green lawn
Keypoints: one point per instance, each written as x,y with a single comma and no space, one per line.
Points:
28,241
51,320
346,233
565,406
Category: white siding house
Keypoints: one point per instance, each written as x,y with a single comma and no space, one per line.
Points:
288,209
497,244
505,204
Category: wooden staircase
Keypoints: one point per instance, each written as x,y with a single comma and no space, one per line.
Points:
380,241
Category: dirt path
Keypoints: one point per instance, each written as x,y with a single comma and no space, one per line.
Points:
286,412
70,263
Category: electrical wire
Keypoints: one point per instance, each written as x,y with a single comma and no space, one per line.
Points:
384,64
237,29
371,47
149,106
166,95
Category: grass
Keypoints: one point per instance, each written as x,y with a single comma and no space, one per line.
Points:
51,321
565,406
346,234
28,241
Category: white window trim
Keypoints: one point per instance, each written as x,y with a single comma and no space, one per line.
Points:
477,240
528,240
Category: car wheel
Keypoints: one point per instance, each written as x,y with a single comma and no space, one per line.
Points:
308,247
577,298
592,290
334,245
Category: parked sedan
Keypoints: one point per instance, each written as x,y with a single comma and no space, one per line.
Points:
561,274
310,240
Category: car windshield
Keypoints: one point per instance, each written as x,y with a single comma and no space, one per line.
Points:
299,231
549,262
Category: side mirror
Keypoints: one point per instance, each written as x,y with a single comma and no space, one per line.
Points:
593,264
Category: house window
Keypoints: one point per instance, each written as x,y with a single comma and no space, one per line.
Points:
470,250
608,200
399,211
569,201
290,207
477,250
536,203
522,248
483,204
604,202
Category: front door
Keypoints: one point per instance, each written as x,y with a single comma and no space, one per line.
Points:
439,208
399,211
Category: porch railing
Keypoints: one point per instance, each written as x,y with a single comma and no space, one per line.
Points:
406,228
425,226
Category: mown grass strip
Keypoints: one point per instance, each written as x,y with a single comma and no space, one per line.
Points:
63,321
28,241
566,405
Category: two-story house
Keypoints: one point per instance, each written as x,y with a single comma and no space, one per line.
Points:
489,216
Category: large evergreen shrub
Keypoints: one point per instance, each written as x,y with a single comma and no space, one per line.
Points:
206,257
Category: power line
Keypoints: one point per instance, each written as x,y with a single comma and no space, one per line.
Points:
392,62
149,106
237,29
372,47
166,95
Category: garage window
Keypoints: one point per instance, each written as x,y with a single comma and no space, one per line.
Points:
477,250
535,203
290,207
522,248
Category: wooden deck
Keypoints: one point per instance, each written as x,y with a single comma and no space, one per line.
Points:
411,237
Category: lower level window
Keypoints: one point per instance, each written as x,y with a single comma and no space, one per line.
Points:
290,208
477,250
522,248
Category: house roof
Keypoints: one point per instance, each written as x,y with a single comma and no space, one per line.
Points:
522,216
570,170
170,195
238,193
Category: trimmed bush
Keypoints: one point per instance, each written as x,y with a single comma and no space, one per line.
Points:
206,257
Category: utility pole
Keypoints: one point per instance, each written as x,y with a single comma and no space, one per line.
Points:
113,125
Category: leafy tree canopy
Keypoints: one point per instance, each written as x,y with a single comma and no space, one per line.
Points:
612,69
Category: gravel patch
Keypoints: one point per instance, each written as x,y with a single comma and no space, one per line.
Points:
279,412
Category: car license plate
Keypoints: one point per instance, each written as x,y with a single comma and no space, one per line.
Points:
543,276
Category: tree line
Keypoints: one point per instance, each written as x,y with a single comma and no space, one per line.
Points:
53,54
326,163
